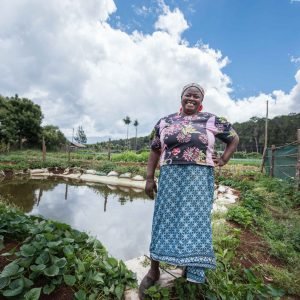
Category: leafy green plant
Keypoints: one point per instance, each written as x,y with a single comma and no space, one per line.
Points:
240,215
54,253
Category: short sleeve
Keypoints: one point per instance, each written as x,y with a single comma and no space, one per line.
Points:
155,143
225,131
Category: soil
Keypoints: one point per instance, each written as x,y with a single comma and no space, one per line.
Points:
253,250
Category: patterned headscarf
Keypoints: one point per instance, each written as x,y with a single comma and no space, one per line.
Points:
199,87
196,85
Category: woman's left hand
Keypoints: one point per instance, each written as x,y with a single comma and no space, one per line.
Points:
218,161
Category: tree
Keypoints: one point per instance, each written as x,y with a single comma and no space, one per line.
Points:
22,122
127,121
80,136
54,138
136,124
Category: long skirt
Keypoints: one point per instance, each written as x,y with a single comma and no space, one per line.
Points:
181,229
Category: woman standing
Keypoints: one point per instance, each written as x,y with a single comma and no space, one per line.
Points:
183,143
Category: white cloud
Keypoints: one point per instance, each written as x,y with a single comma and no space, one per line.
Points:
66,57
173,22
295,60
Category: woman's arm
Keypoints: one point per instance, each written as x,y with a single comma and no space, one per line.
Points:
152,164
229,150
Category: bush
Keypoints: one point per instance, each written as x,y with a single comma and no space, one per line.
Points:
240,215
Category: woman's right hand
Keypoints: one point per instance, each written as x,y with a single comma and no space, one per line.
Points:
150,188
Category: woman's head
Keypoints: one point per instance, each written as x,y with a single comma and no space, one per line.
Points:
191,98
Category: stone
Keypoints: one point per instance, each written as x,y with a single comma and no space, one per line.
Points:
138,178
38,171
126,175
113,173
92,172
222,189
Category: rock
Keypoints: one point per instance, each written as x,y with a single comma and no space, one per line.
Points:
222,189
92,172
101,174
138,178
38,171
126,175
113,173
124,189
66,172
2,173
219,208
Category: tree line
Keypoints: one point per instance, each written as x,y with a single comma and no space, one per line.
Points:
281,130
20,124
21,119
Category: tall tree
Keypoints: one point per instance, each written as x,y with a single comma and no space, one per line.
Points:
26,118
127,121
136,124
54,138
80,136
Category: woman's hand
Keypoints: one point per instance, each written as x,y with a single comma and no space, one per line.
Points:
150,188
218,161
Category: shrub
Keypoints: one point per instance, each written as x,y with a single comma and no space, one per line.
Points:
240,215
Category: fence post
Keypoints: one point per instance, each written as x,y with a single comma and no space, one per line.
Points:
273,148
297,181
109,148
44,150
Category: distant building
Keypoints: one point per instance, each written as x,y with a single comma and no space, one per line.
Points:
75,145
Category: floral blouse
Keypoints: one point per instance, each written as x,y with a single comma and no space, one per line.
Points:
190,139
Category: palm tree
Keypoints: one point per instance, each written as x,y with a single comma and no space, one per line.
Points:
136,124
127,121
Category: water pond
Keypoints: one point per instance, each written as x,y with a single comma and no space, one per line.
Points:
120,218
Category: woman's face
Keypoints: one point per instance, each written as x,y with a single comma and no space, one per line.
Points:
191,100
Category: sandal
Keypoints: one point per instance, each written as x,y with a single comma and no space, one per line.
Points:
145,284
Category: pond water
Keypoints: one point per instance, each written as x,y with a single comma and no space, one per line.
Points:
120,218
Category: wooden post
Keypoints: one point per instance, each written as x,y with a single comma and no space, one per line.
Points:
44,150
109,150
272,161
297,177
66,192
69,153
266,138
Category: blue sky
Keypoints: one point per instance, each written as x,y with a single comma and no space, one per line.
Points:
91,63
260,37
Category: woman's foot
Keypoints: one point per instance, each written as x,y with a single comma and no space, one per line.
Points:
149,280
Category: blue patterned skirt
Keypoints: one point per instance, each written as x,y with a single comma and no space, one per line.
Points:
181,229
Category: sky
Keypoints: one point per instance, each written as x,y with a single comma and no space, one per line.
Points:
93,62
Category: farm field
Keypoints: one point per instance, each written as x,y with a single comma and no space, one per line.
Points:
257,244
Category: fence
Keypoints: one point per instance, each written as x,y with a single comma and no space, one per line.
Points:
284,162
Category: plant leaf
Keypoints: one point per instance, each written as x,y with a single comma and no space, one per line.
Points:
51,271
27,250
37,268
43,258
4,281
48,289
2,242
61,262
69,280
15,288
119,290
80,295
10,270
33,294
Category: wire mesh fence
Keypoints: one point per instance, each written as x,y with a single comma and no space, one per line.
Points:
281,162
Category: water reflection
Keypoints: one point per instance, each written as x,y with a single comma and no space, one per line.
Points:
119,217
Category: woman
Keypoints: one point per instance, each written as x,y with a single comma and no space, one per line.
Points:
184,144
